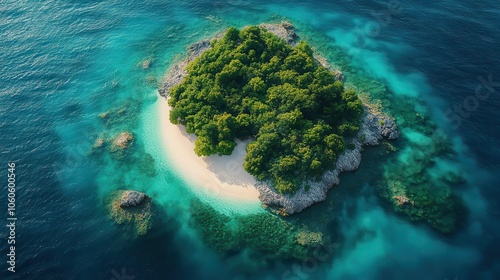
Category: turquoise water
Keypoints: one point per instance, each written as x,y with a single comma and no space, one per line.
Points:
65,62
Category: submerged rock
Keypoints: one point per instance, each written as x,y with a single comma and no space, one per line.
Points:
98,146
146,64
103,115
131,198
99,142
123,140
402,200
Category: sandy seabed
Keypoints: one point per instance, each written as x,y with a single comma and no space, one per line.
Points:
222,176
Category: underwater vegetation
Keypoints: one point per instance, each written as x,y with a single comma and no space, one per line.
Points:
414,189
117,143
263,233
118,148
412,183
125,152
126,113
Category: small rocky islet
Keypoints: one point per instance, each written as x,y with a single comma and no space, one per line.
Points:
131,208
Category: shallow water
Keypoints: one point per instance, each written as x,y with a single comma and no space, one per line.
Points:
65,62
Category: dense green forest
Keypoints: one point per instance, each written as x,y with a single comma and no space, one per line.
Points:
251,84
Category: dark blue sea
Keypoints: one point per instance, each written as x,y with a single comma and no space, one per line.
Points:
65,62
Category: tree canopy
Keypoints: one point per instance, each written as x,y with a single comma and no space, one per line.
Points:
251,84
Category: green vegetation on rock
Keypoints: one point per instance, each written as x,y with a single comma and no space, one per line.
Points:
251,84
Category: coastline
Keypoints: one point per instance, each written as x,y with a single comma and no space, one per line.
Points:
217,175
375,126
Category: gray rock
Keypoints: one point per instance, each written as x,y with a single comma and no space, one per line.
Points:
178,72
376,126
284,30
197,49
339,76
389,129
132,198
302,199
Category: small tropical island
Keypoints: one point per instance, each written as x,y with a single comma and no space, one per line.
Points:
256,117
263,86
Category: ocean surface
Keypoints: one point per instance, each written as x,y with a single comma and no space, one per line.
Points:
65,62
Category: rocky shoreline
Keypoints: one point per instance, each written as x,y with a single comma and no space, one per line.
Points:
375,126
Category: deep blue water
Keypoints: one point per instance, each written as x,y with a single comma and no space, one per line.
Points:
63,62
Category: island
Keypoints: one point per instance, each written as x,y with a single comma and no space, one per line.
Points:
265,87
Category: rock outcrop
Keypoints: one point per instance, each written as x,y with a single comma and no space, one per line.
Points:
131,209
99,142
146,64
131,198
375,126
285,31
178,72
123,140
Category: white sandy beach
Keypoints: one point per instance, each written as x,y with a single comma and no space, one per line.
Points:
217,175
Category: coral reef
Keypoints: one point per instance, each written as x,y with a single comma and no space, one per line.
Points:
408,184
122,140
99,142
307,238
263,233
126,113
416,194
